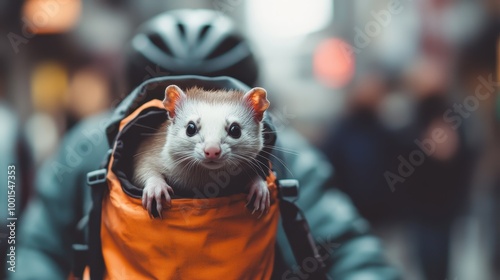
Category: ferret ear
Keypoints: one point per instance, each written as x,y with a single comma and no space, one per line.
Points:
173,94
257,97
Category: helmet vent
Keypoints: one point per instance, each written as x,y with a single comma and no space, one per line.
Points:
226,45
158,42
204,31
182,29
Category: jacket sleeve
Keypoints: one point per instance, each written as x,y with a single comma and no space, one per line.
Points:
48,226
343,237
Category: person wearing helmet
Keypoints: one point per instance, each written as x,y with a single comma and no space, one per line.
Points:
204,43
190,42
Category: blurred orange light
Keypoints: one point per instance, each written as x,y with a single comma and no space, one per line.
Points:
88,93
51,16
334,62
49,84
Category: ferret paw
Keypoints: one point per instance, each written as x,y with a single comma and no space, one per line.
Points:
155,192
260,193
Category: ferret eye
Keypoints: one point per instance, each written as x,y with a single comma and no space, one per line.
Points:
191,129
234,131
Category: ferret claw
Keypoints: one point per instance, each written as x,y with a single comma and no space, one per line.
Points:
260,191
155,192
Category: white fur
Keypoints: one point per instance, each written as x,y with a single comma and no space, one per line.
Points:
212,121
164,157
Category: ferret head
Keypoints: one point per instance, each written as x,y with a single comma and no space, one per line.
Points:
215,129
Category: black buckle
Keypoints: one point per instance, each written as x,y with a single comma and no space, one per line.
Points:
97,177
289,189
80,254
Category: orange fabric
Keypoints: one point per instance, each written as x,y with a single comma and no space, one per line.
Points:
152,103
86,275
216,238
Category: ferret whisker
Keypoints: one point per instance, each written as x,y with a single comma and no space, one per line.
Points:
191,166
187,167
231,162
239,159
260,165
141,153
280,161
179,160
234,162
277,158
271,146
180,153
250,166
250,172
253,162
281,149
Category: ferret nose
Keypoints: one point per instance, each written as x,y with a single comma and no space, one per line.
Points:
212,151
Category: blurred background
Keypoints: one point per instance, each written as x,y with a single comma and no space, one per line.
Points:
402,96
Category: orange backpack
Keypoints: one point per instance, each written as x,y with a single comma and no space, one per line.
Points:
203,237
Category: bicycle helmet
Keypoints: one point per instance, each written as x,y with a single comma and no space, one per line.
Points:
189,42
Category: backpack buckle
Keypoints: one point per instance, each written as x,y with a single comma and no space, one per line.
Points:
289,189
80,256
97,177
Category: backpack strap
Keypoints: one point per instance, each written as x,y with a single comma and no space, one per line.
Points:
87,251
297,229
80,249
97,181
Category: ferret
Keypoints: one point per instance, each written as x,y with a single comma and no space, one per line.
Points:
206,132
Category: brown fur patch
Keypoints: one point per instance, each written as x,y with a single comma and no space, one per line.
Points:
215,96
